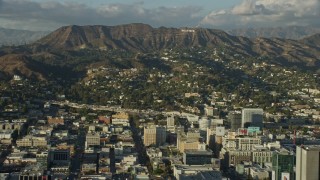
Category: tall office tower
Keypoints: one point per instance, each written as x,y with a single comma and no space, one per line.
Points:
252,117
308,162
154,135
282,165
234,119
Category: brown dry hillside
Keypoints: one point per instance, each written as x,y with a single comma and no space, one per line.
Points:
12,64
144,38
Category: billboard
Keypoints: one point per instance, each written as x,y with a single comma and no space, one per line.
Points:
242,131
253,130
285,176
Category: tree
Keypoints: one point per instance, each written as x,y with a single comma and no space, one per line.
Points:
158,171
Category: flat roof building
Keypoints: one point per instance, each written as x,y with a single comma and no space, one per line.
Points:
308,162
252,117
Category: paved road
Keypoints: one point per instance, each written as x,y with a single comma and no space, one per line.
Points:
76,159
140,148
104,108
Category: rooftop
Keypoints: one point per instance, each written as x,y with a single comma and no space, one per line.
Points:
194,167
199,152
311,147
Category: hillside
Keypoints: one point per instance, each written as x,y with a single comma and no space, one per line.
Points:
71,49
133,37
29,66
20,65
144,38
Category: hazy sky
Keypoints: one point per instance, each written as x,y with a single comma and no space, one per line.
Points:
221,14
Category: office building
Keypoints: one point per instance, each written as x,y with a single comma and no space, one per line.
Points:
247,143
188,141
234,157
282,164
59,156
262,156
197,157
308,162
192,172
92,139
32,141
154,135
234,119
252,117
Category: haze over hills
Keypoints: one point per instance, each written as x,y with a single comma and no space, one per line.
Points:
290,32
19,37
313,40
68,44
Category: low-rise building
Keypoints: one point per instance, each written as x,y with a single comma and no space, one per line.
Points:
88,168
259,173
32,141
197,157
55,120
181,171
92,139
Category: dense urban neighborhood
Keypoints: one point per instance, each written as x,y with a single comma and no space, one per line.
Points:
159,90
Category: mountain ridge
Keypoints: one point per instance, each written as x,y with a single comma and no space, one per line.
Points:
139,37
144,38
61,45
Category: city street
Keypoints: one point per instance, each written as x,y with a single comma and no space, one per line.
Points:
76,159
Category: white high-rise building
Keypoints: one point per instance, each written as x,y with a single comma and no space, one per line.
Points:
252,117
308,162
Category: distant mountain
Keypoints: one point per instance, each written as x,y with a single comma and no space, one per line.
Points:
313,40
291,32
144,38
65,47
19,37
133,37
